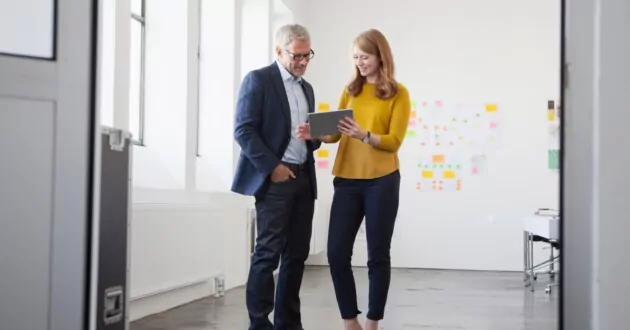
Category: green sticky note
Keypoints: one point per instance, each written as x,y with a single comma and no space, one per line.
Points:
553,159
414,104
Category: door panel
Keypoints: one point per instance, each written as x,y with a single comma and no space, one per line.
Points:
27,162
47,132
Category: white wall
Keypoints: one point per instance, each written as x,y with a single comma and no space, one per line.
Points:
458,51
186,226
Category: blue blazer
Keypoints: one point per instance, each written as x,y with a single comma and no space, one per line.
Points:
263,130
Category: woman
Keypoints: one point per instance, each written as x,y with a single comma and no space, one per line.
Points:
367,178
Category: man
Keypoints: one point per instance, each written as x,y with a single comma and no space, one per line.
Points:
276,166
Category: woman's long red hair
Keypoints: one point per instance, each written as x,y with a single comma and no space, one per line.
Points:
374,43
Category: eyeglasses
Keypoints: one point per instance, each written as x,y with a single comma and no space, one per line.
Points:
299,57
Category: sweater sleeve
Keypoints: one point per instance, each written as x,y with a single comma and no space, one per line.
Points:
399,122
343,103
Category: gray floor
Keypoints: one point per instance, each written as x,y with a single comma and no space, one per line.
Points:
419,299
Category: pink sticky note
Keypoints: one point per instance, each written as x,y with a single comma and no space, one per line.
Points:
493,124
322,163
475,170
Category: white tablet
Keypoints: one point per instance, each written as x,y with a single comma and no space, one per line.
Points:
326,123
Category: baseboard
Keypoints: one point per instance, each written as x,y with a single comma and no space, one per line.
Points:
155,304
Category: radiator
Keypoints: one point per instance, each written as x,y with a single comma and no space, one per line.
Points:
174,246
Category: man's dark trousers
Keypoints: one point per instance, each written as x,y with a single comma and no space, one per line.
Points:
284,223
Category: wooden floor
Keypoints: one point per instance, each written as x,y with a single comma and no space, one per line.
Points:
418,299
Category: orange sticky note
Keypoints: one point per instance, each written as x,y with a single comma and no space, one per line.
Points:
427,174
412,114
449,174
322,153
492,108
323,107
438,159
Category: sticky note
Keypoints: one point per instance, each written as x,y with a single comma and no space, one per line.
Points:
554,159
493,124
322,153
427,174
411,133
322,164
412,114
448,174
492,107
438,159
323,107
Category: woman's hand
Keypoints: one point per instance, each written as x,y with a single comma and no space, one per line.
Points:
350,128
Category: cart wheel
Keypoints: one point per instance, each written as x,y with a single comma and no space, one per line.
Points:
535,277
547,290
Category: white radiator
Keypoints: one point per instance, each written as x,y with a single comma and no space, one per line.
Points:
184,252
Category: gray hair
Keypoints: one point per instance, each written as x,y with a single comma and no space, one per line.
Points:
287,33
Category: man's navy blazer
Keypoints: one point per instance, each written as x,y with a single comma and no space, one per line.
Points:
263,130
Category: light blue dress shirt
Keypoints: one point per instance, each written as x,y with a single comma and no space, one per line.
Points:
296,151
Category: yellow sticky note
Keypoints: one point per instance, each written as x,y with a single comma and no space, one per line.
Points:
322,153
438,159
448,174
323,107
427,174
492,108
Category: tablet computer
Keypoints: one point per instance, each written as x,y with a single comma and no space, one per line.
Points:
326,123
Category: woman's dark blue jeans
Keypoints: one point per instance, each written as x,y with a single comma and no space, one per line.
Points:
377,200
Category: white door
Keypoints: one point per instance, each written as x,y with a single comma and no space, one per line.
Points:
47,128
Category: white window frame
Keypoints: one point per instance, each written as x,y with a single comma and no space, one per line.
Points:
139,140
198,31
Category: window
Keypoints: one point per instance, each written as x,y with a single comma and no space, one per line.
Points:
137,65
